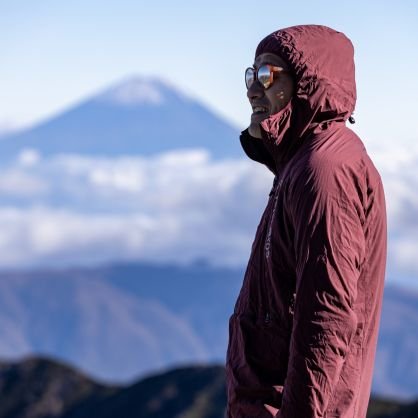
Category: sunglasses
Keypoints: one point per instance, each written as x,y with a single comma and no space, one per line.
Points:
265,74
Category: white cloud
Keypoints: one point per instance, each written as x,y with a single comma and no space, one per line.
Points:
398,168
173,206
18,183
405,251
29,157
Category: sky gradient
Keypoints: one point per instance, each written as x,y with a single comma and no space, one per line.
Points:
56,53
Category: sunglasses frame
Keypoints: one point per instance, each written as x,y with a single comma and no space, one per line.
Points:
274,69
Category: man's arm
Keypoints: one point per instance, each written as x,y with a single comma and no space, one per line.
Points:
329,249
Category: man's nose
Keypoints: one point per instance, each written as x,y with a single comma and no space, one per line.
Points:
255,91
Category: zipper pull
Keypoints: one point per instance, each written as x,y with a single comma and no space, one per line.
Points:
292,304
274,186
267,318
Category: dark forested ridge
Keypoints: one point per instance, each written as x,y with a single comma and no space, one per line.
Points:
39,387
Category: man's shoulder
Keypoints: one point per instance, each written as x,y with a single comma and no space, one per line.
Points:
339,147
331,161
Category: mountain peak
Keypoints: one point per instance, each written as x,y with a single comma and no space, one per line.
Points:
140,90
141,115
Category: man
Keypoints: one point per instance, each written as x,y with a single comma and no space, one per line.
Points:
303,334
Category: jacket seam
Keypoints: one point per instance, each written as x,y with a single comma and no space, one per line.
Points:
366,315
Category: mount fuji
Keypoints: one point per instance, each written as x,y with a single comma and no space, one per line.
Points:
138,115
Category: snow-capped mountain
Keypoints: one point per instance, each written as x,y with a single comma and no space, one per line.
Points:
138,115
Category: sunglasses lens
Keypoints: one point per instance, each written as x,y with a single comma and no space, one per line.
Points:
249,77
264,75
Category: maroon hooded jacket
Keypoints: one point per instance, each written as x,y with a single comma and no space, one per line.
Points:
308,313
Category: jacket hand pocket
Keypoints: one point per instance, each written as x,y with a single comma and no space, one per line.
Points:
265,346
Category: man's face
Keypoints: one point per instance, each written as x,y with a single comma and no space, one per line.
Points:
276,96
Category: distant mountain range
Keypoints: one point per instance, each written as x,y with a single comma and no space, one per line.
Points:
121,321
43,388
138,115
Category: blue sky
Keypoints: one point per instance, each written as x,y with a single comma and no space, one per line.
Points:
56,53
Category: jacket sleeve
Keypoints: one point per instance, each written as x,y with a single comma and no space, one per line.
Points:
329,247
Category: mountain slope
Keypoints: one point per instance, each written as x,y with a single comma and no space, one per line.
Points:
141,116
76,316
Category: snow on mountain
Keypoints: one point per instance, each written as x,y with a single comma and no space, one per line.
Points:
133,91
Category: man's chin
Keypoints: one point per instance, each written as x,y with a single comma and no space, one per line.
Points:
259,117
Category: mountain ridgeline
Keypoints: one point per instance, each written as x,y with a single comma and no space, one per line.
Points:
137,116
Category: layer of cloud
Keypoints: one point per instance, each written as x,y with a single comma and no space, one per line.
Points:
398,168
176,206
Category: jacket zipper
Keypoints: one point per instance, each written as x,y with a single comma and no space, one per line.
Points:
266,253
274,191
292,304
273,188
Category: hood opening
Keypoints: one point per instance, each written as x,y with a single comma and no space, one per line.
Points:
322,60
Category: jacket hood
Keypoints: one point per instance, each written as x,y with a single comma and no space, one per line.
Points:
322,61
